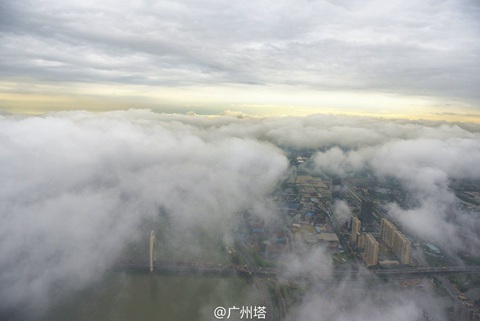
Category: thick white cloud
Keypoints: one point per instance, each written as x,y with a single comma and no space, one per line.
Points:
342,211
425,166
356,300
76,187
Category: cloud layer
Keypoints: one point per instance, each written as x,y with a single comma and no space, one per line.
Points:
78,187
425,167
403,47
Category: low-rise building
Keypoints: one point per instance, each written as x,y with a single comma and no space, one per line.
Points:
331,240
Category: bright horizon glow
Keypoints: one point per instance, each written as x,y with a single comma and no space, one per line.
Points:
263,101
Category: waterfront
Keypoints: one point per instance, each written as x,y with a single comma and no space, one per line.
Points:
145,297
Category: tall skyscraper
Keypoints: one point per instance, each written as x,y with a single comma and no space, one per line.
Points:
366,212
337,192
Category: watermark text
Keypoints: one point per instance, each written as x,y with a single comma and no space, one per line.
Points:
245,312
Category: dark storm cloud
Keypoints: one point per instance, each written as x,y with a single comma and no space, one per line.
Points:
409,47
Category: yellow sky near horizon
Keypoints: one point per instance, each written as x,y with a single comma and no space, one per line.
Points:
32,98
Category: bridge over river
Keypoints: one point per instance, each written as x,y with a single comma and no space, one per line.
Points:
153,265
225,270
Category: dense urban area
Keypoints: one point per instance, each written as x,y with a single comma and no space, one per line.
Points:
348,218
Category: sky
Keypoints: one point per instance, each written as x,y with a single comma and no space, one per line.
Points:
79,187
396,59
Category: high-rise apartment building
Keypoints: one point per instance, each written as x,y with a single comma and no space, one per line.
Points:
361,241
370,254
395,240
356,226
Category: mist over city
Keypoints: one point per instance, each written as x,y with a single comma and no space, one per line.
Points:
82,190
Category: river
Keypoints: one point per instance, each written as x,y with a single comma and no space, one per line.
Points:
128,296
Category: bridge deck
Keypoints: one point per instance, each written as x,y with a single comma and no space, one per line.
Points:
180,267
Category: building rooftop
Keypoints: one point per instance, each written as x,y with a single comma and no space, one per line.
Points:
329,237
